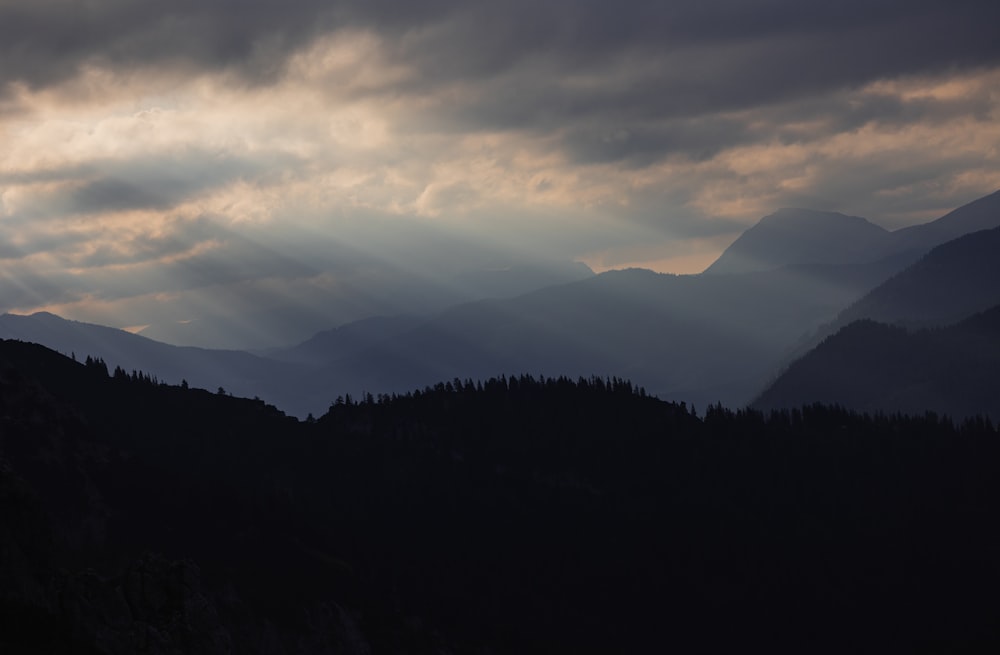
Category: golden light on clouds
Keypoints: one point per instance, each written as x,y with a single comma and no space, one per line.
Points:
362,137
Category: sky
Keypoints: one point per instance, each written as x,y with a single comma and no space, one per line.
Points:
167,159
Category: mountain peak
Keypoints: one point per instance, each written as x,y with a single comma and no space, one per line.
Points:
803,215
794,236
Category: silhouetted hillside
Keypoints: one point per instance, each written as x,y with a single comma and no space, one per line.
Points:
869,366
509,516
238,372
795,237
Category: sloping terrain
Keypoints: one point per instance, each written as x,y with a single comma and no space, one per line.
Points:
951,282
873,367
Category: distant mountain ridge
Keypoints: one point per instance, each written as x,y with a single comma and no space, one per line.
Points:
792,237
701,339
698,338
951,282
873,367
978,215
330,345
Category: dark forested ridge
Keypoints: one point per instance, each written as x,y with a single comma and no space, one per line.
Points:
515,515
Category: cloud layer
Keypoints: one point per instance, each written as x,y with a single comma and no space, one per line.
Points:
158,155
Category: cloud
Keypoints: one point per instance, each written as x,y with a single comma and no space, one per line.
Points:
182,154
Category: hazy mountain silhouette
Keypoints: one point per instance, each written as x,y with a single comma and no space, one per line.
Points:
869,366
695,338
951,282
331,345
802,236
513,515
981,214
424,277
237,372
699,338
791,237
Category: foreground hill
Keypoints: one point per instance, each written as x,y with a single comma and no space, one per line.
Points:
871,367
512,516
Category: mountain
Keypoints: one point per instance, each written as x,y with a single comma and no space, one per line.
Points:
700,339
705,338
513,515
791,237
237,372
872,367
981,214
417,278
800,236
952,281
331,345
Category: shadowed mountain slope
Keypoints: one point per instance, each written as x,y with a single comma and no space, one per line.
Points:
952,281
981,214
871,367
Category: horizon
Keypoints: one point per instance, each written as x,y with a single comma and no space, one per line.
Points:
178,167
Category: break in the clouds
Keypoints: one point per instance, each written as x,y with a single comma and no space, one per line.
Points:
171,161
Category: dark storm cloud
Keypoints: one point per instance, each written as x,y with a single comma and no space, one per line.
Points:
816,44
644,60
42,42
697,139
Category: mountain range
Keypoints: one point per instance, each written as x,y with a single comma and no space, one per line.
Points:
720,336
559,507
792,237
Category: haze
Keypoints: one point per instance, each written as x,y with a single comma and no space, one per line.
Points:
265,170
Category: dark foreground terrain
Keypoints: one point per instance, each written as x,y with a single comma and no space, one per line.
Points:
509,516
